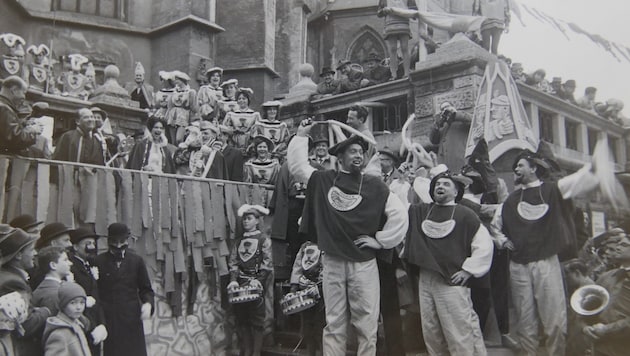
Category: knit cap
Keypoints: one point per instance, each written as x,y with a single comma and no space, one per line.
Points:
69,291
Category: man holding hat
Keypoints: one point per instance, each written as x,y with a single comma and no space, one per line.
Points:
535,223
328,85
351,216
449,245
86,275
17,255
353,77
126,294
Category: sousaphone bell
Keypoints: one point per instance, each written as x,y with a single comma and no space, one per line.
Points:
590,300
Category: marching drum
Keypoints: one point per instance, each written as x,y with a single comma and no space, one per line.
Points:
301,300
244,294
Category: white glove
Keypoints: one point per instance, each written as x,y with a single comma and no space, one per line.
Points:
232,285
256,283
99,334
145,311
89,301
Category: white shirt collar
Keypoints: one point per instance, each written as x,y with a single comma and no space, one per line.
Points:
536,183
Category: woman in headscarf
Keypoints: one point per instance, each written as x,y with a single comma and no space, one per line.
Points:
153,153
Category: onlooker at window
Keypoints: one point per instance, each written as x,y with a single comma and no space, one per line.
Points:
610,110
568,89
497,13
353,77
588,100
518,73
374,72
329,85
537,80
556,86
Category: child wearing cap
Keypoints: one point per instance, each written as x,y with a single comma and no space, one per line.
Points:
64,334
250,263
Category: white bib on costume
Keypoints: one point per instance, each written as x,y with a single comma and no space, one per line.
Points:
438,230
532,212
343,201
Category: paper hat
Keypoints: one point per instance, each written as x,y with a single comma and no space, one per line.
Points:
139,68
257,210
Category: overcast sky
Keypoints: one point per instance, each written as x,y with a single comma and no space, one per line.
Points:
539,45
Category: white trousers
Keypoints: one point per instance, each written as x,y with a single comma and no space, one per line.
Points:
538,296
450,326
351,289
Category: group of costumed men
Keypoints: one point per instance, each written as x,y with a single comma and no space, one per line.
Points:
352,218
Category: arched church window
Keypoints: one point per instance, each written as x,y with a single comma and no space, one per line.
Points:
367,41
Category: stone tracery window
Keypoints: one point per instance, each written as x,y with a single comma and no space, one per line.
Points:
116,9
367,41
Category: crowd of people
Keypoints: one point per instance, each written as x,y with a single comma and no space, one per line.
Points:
610,109
59,297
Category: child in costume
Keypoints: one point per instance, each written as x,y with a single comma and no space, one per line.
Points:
250,265
307,274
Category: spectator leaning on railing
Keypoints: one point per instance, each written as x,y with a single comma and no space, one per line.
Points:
14,136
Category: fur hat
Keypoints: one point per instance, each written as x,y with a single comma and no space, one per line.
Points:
69,291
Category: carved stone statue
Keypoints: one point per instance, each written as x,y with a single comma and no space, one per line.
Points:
111,87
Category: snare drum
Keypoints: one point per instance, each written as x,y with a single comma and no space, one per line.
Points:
299,301
244,294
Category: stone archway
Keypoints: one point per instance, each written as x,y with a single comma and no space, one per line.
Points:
366,41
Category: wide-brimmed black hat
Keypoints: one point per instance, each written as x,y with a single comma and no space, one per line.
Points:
326,70
118,232
25,222
51,232
389,152
460,182
340,147
13,243
81,233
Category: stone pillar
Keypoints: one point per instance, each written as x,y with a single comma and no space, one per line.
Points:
246,50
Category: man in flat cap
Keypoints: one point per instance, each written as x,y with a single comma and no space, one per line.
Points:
449,245
351,216
126,294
